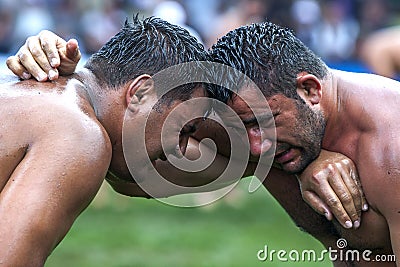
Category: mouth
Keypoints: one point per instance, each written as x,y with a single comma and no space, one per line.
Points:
284,156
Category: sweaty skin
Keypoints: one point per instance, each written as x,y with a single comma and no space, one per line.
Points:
283,186
53,157
362,123
55,152
330,185
369,137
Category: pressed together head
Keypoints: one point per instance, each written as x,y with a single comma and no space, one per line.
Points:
270,55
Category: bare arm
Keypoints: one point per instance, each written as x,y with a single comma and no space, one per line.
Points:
50,187
329,190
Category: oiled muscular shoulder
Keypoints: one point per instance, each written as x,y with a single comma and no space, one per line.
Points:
51,116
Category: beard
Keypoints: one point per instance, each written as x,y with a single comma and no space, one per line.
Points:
309,129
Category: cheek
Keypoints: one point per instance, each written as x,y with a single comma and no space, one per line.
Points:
152,135
152,144
259,143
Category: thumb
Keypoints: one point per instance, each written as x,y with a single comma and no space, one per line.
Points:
72,50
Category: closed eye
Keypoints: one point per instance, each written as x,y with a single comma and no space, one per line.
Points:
264,120
188,129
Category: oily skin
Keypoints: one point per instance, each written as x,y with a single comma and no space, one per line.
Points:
331,180
283,186
41,170
367,136
58,141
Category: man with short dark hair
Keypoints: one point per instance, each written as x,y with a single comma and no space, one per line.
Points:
315,107
333,165
60,139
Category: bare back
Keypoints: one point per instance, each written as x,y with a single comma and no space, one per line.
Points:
53,157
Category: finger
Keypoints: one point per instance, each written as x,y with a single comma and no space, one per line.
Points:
17,68
353,183
50,43
336,208
73,52
27,60
70,56
317,204
329,192
356,178
346,210
37,50
352,187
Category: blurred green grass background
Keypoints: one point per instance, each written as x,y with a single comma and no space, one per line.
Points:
118,231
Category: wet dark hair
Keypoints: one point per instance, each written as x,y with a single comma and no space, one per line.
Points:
146,47
270,55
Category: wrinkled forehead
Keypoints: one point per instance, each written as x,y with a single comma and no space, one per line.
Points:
249,98
249,106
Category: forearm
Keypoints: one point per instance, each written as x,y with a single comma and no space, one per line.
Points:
285,189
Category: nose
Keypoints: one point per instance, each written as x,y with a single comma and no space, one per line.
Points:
259,144
172,148
183,143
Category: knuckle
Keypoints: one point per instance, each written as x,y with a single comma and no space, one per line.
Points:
316,179
354,191
29,39
35,51
345,198
327,171
323,175
44,44
331,168
10,60
333,201
23,57
43,33
346,163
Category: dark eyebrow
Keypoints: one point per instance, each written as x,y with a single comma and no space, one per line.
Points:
260,118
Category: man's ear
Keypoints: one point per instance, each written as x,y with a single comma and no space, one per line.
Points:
309,88
136,90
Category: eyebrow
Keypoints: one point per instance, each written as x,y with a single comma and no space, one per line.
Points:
260,118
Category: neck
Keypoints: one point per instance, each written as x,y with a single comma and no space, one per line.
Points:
107,104
334,108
